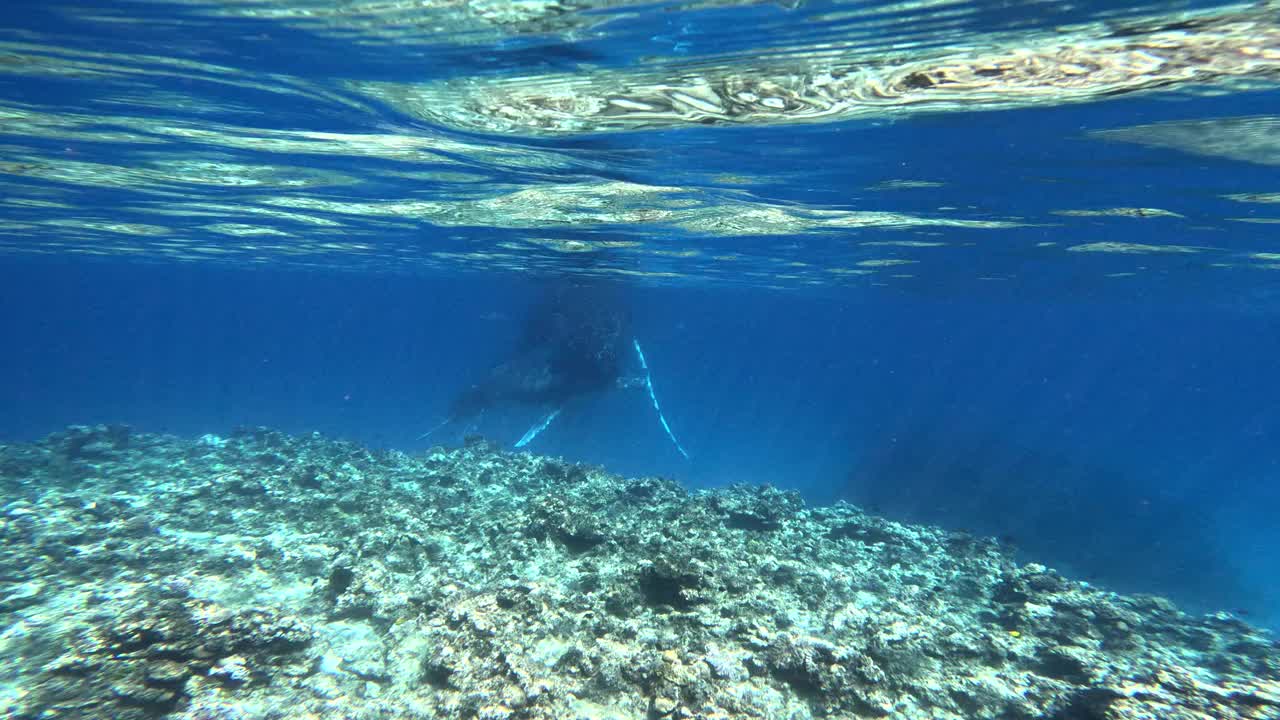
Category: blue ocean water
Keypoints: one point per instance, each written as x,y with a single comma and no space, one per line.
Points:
1046,311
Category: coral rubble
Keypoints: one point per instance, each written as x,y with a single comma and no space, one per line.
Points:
266,576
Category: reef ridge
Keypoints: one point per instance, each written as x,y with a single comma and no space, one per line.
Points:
262,576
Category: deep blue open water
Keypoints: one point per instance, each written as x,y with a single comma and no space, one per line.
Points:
1047,310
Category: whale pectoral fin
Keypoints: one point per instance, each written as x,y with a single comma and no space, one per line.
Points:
433,430
538,428
653,396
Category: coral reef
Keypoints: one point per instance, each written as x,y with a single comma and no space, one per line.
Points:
265,576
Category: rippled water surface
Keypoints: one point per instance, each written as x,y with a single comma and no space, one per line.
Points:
931,144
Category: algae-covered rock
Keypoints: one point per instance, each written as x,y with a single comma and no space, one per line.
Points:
257,575
138,665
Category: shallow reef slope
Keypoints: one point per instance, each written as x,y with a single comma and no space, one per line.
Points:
268,576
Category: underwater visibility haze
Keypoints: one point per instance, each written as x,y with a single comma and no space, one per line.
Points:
609,359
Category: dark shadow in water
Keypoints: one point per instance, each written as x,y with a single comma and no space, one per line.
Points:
573,344
1090,522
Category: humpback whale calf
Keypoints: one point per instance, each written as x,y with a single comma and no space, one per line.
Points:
575,343
572,345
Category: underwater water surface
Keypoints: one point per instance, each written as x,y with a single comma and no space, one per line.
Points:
1011,269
